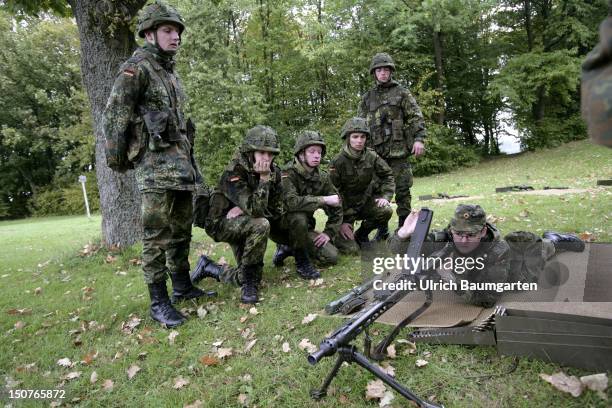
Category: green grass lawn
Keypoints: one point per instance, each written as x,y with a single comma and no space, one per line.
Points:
58,304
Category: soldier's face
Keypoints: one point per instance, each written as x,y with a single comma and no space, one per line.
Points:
383,74
168,37
357,141
467,242
312,156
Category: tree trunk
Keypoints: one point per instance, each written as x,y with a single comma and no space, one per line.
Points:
102,52
528,28
438,50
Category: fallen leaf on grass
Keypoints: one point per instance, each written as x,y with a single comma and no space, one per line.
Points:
421,363
65,362
218,343
391,351
253,311
26,368
202,312
38,291
243,400
250,345
195,404
19,325
243,319
224,352
586,236
19,311
72,375
172,336
388,369
132,322
309,318
285,347
595,382
179,383
564,383
386,399
375,390
209,361
131,372
135,261
108,385
110,259
89,358
305,344
315,282
93,378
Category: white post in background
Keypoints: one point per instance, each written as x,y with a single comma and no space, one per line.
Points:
82,180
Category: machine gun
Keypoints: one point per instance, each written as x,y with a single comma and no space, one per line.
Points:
340,341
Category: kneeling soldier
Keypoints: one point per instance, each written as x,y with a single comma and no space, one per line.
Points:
247,199
307,188
365,183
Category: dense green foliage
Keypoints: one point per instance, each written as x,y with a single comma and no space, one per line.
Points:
303,64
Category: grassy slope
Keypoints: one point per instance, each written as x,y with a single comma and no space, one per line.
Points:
44,253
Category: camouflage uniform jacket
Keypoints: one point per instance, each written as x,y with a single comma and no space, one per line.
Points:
241,186
302,192
358,178
395,120
493,251
147,83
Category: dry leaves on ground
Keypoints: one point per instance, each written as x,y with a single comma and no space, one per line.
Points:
108,385
128,326
65,362
224,352
131,372
250,345
209,361
179,383
305,344
285,347
309,318
565,383
391,352
172,336
421,363
375,390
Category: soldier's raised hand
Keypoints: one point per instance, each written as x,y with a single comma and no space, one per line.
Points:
332,200
409,225
262,167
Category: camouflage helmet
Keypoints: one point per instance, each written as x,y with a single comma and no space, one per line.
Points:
468,218
308,138
260,138
382,59
157,13
353,125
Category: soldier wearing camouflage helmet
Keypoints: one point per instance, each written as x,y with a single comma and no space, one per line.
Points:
146,129
397,129
307,188
365,183
520,256
243,208
597,86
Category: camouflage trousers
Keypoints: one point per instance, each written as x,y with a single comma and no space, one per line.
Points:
248,238
402,173
166,220
371,218
528,255
296,229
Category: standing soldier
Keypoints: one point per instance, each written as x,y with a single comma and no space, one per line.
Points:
360,175
397,130
306,188
145,129
246,202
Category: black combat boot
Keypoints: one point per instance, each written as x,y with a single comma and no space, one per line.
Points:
400,221
564,242
206,268
250,281
161,308
183,289
382,233
303,266
282,253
